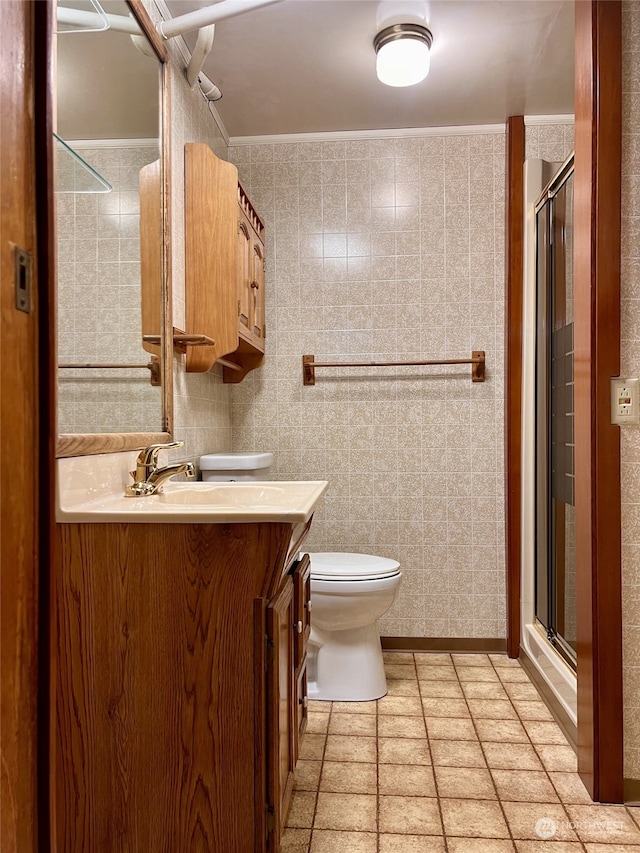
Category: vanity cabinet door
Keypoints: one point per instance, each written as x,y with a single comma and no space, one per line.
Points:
302,606
302,709
244,274
257,290
280,710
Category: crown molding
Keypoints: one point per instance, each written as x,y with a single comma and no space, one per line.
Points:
565,118
353,135
113,143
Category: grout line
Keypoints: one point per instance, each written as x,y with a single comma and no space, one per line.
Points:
322,760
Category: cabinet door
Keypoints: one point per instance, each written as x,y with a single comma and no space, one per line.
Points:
302,709
245,273
302,606
281,719
257,288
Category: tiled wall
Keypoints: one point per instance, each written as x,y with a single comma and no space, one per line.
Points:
630,366
389,249
99,277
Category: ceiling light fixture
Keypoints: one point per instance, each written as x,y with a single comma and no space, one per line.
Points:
402,54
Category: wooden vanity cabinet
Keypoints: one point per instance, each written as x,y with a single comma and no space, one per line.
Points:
178,685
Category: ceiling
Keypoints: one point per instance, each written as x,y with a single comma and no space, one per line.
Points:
307,66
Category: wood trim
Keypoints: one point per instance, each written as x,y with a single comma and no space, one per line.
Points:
107,442
19,414
597,214
442,644
150,30
513,372
632,792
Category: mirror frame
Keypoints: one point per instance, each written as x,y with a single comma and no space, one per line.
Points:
76,444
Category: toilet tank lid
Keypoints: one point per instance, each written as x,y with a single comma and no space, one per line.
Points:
334,564
235,461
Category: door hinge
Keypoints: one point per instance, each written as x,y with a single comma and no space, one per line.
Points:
23,280
271,818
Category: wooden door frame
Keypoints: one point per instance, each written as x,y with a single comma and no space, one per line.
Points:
597,215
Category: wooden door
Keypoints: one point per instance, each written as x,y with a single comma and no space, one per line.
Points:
280,710
20,480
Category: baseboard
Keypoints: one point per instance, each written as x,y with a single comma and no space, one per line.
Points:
632,792
442,644
548,697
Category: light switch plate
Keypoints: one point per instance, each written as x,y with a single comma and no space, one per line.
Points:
624,401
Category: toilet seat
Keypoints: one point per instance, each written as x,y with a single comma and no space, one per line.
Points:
340,566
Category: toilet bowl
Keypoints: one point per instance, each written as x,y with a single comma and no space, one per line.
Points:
349,593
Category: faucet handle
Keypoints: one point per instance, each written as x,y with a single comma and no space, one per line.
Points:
149,456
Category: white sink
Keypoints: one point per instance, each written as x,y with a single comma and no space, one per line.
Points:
200,503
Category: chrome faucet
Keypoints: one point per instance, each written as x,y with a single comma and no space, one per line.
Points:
148,478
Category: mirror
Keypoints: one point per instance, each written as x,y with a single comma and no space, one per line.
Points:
114,354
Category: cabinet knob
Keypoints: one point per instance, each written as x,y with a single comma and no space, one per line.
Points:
299,627
308,606
304,701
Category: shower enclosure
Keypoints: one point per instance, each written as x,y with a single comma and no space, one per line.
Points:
555,593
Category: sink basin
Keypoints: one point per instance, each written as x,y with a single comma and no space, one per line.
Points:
199,503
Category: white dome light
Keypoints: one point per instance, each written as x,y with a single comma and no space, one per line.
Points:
402,54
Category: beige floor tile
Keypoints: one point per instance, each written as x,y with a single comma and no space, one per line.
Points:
441,690
441,728
410,815
399,671
518,756
403,751
479,845
511,674
541,732
530,820
352,724
457,753
437,673
502,660
400,687
406,781
634,811
312,746
353,777
477,673
558,757
521,690
604,824
410,844
473,783
347,748
501,731
400,705
549,847
354,812
526,786
445,708
527,710
320,706
330,841
295,841
612,848
462,659
317,723
354,707
473,819
491,709
484,690
398,657
432,658
394,726
303,804
307,775
570,788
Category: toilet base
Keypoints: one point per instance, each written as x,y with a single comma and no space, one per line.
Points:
346,666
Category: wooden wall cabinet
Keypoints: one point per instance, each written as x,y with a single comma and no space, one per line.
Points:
178,680
224,267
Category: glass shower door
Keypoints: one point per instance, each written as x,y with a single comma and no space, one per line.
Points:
555,481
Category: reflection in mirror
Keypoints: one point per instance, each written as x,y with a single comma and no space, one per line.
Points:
109,230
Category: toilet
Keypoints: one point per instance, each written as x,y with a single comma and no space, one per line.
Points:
349,593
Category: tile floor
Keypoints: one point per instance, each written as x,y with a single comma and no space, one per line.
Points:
461,756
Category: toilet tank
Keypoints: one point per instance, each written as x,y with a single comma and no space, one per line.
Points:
235,467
